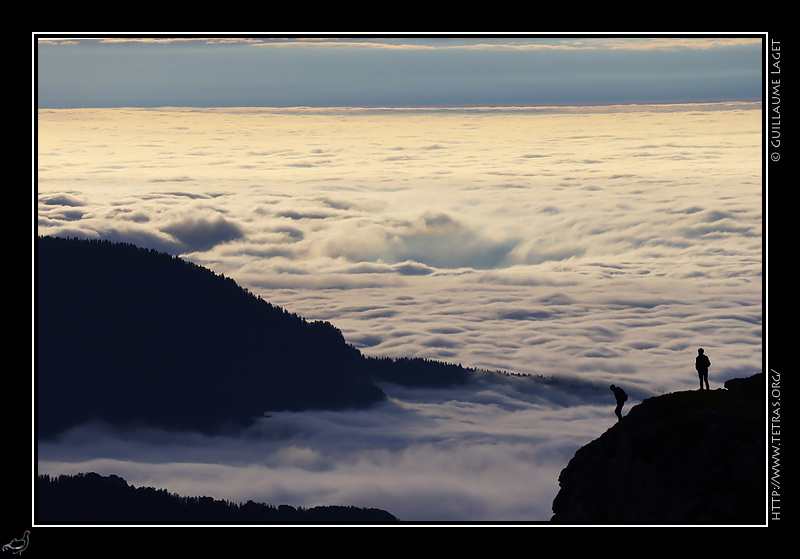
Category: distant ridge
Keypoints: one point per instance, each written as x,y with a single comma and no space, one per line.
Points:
94,499
127,335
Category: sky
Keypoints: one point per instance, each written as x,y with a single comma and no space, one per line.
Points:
400,71
586,209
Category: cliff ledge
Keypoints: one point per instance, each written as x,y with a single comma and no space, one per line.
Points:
688,458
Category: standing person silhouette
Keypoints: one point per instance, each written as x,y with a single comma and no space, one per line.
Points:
702,363
621,397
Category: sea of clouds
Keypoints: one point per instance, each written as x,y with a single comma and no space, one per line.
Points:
595,245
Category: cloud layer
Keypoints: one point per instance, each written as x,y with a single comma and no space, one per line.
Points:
594,240
606,243
485,453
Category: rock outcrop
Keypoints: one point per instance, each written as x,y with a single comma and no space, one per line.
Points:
685,458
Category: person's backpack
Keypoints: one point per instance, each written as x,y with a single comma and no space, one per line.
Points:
624,395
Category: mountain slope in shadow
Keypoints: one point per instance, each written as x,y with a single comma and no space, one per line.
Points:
129,335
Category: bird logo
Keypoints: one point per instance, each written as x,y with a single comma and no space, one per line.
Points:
16,545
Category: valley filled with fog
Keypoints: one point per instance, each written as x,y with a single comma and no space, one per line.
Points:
593,245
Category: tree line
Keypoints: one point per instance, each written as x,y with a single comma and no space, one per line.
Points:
89,498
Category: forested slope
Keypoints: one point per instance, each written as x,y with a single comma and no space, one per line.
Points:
130,335
133,335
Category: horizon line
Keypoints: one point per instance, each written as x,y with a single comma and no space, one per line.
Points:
432,107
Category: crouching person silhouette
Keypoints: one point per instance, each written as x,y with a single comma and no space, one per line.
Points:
702,363
621,397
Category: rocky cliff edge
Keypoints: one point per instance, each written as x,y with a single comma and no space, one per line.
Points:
684,458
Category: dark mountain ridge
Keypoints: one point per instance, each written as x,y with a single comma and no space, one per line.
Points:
94,499
684,458
127,335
